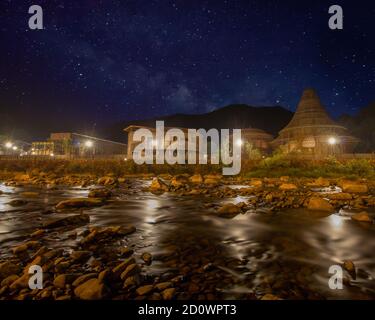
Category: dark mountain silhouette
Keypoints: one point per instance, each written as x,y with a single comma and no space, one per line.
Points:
270,119
362,126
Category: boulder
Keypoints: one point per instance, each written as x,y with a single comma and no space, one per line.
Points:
21,283
320,204
26,246
288,187
8,268
131,282
92,289
80,256
349,266
17,203
168,294
107,233
130,270
107,181
270,296
362,217
104,275
77,203
211,179
147,258
67,221
126,252
37,233
84,278
141,291
158,184
163,285
229,210
339,196
256,183
22,177
322,182
354,187
179,181
197,178
30,194
100,193
63,279
9,280
120,268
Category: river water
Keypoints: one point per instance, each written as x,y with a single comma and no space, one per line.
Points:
286,253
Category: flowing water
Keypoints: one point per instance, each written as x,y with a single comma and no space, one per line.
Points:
288,252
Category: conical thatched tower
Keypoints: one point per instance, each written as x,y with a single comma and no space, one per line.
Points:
312,131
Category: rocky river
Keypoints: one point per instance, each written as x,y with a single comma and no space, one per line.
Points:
140,238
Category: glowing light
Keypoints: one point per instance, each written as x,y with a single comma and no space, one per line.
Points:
89,144
335,221
125,159
9,145
51,155
332,141
14,148
239,142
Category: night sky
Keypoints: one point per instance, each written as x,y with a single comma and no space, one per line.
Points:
101,62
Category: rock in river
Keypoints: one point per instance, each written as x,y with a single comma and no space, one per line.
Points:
320,204
100,193
92,289
8,268
67,221
229,210
362,217
197,178
141,291
147,258
354,187
107,233
79,203
288,187
158,184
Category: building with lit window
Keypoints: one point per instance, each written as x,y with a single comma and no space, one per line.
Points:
312,131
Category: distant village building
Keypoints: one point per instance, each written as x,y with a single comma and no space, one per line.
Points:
312,131
251,139
256,139
77,145
8,146
132,144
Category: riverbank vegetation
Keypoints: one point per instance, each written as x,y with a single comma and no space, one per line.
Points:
275,166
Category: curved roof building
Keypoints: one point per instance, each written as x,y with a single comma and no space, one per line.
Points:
311,130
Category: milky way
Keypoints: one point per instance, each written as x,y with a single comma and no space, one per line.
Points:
107,61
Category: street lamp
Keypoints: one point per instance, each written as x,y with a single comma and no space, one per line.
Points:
332,141
8,145
239,142
89,144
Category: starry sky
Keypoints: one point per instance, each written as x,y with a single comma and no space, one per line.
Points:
101,62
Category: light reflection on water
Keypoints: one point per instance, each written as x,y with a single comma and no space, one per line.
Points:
262,242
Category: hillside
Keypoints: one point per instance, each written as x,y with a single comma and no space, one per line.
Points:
362,125
270,119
